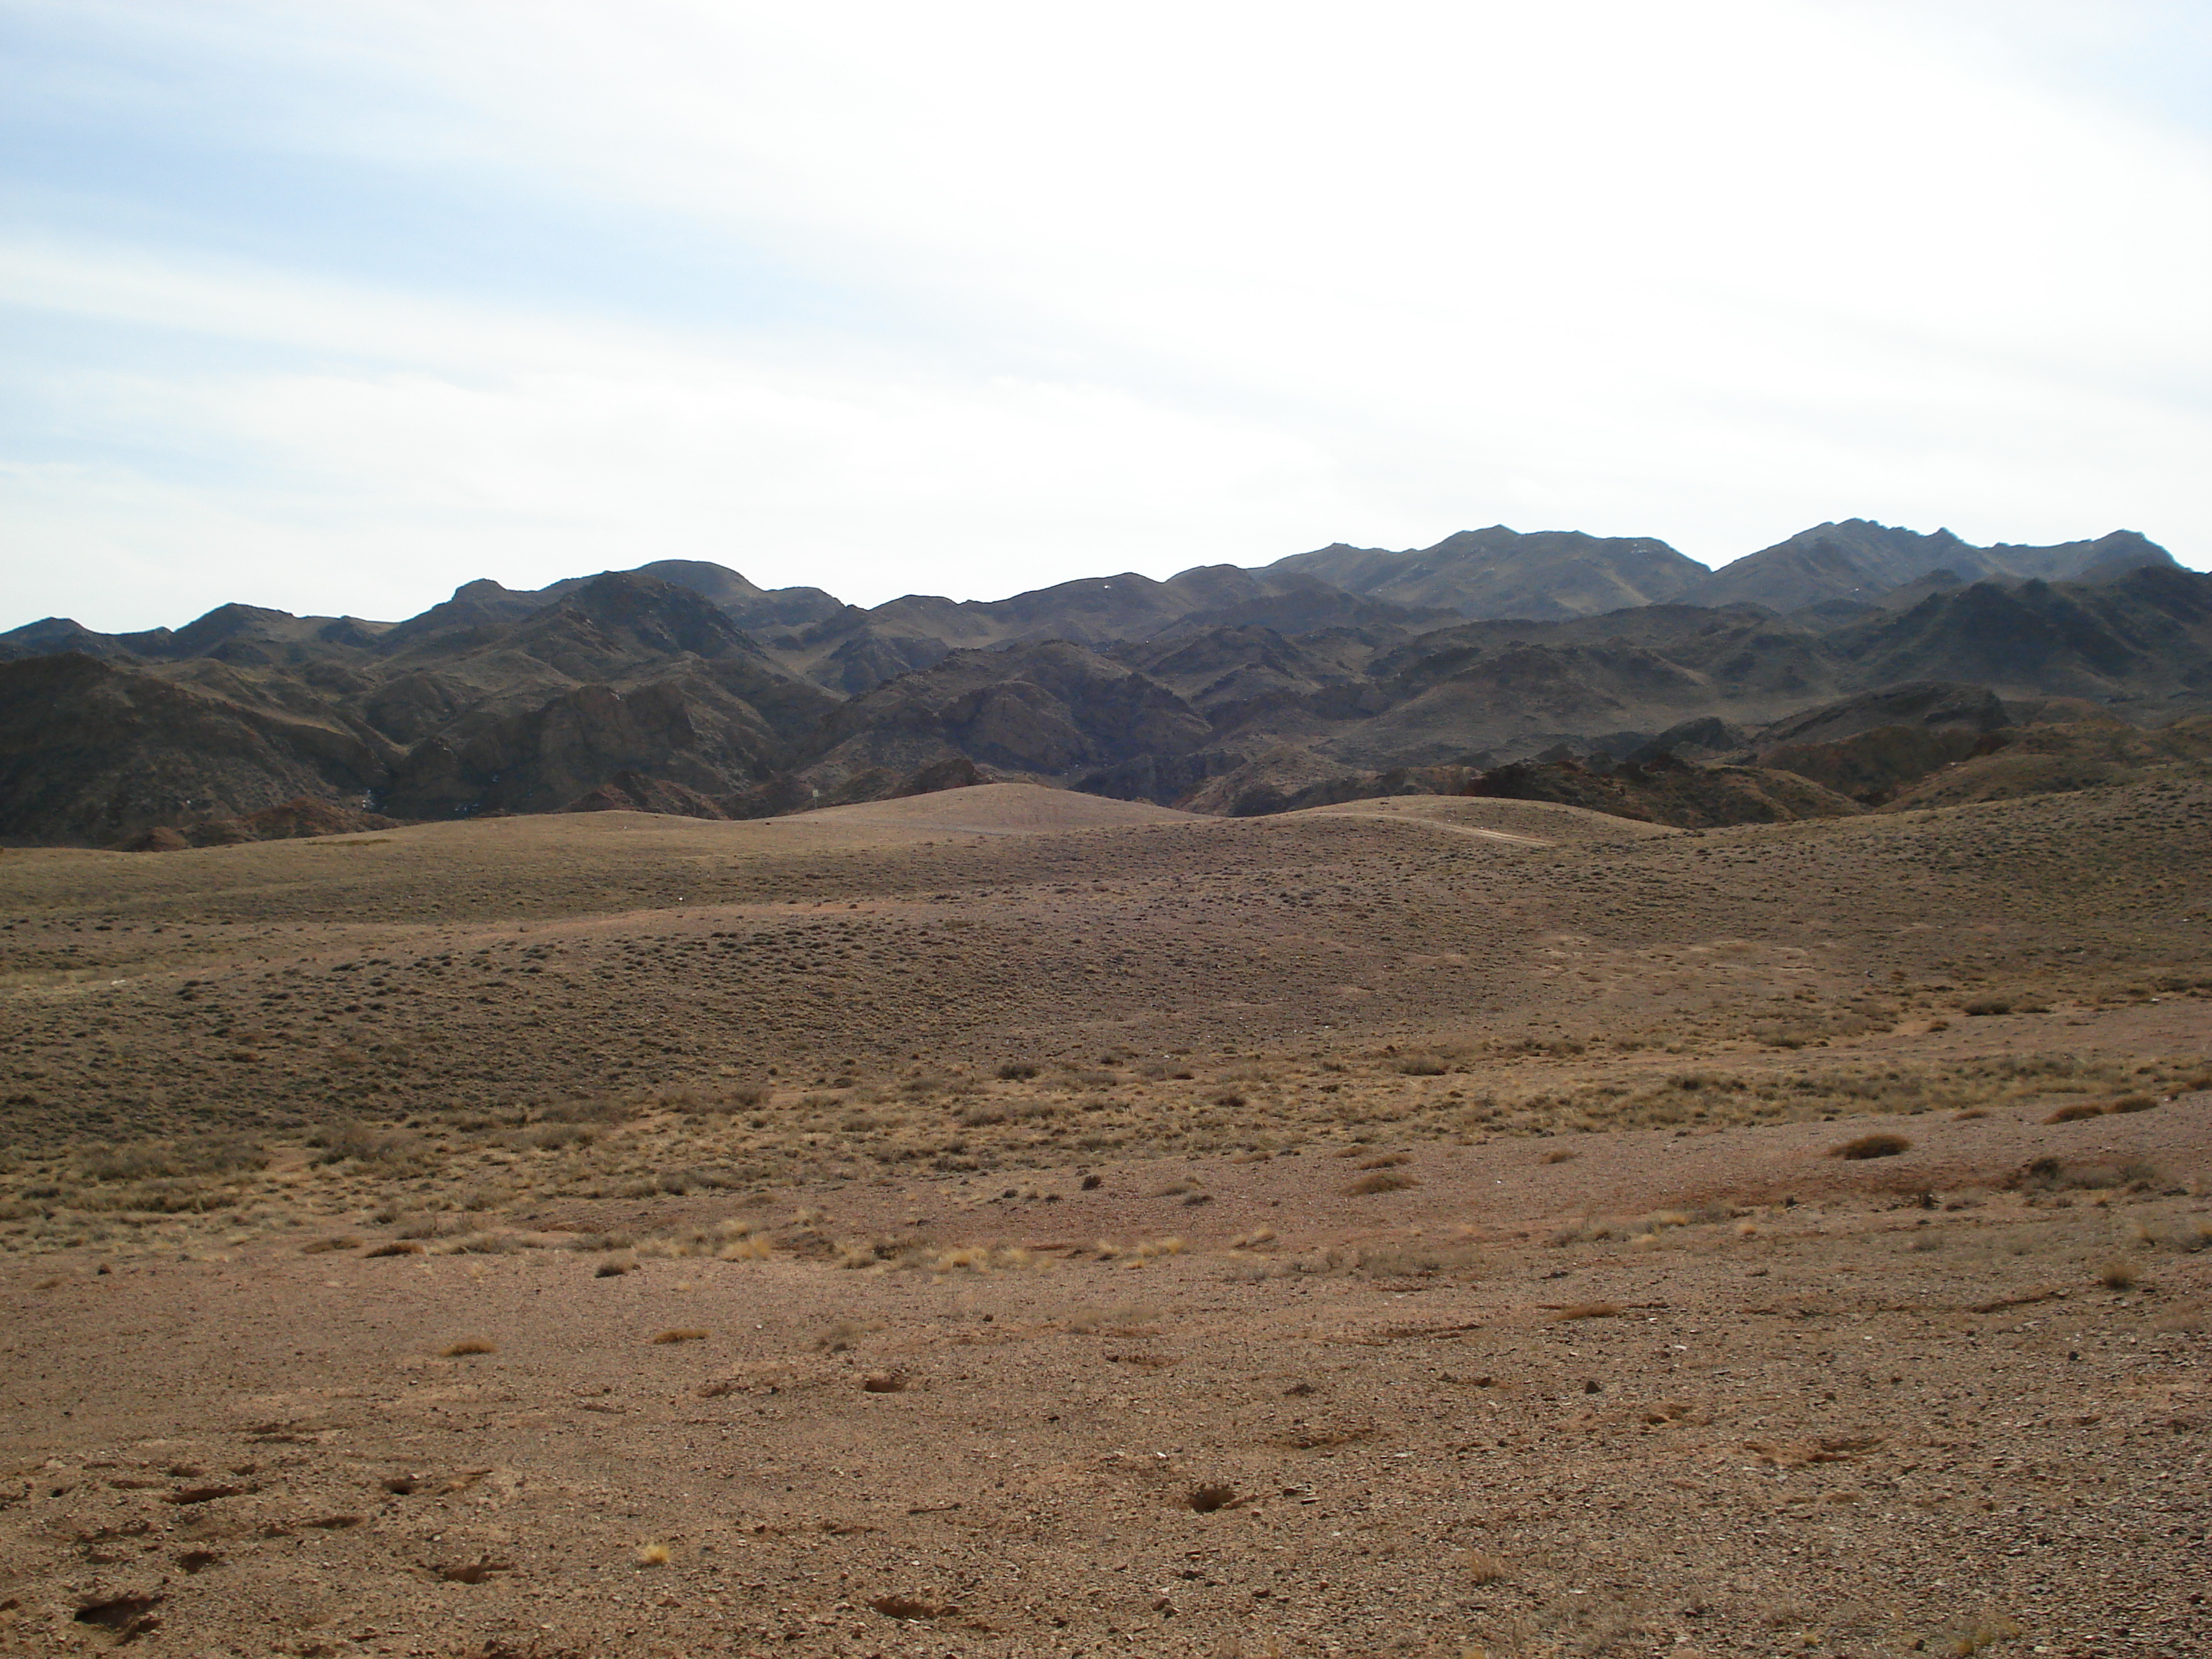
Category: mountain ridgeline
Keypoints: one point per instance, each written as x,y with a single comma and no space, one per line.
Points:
1852,667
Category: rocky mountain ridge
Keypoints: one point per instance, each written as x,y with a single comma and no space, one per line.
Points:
681,686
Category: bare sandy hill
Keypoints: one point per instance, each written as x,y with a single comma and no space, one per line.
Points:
998,808
560,852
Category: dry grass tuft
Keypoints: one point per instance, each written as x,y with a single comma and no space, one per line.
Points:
2050,1174
402,1247
212,1155
1561,1155
1483,1568
728,1241
654,1555
983,1259
367,1144
1589,1310
320,1246
468,1346
2187,1234
1135,1256
680,1334
1381,1181
881,1254
2132,1103
2075,1112
1878,1145
1407,1260
1982,1631
2119,1273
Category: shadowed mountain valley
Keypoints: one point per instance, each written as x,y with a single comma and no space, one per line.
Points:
1473,664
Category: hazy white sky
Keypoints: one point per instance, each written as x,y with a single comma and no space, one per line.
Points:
332,307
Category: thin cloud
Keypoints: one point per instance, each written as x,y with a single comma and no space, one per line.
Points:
978,296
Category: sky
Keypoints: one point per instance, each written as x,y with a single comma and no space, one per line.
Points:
332,308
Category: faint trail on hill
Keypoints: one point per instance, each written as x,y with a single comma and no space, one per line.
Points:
1050,829
925,829
1444,825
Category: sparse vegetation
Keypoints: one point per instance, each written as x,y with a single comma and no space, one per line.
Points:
1116,1298
368,1143
2119,1272
2054,1175
1480,1567
606,1147
1983,1631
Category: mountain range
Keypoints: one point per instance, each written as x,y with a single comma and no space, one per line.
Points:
681,686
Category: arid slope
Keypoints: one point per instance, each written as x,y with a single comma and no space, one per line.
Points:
1000,1222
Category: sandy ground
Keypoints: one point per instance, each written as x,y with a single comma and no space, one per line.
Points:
1071,1235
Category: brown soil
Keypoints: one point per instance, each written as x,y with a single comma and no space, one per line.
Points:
1006,1223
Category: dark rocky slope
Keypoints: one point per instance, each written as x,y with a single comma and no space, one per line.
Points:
1861,561
682,687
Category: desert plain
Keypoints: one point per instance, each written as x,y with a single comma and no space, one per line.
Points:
1010,1222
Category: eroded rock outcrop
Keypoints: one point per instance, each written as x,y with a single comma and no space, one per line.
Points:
95,752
